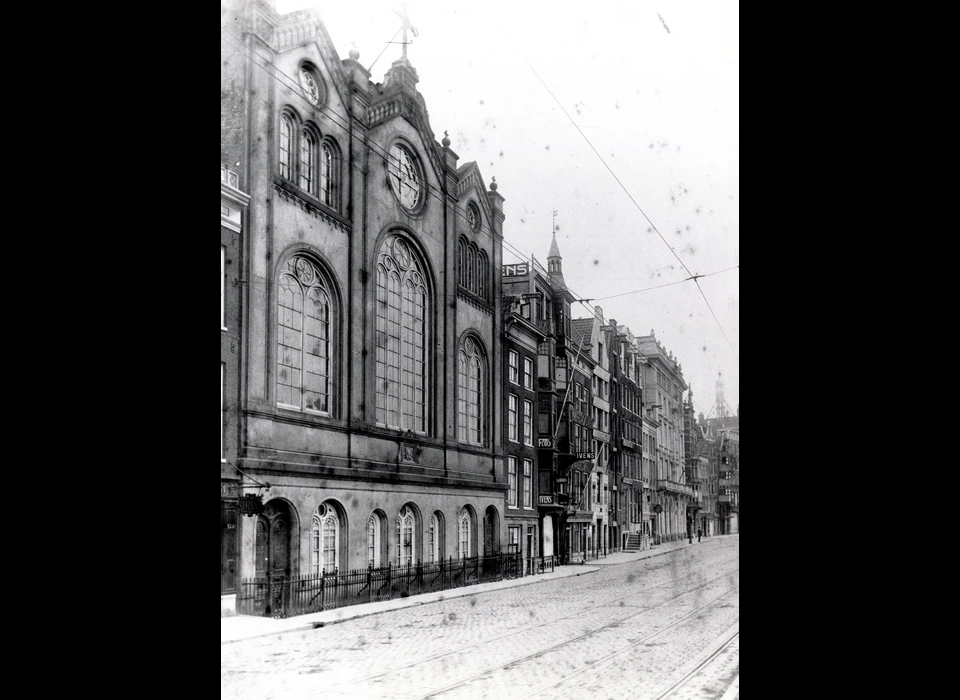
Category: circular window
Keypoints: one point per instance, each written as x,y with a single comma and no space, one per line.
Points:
310,85
405,177
473,216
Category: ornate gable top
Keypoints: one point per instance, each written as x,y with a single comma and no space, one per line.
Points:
305,26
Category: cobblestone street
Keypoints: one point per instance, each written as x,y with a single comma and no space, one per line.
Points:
640,627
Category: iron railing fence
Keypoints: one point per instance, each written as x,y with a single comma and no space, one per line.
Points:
283,596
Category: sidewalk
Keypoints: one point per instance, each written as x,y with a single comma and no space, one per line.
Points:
242,627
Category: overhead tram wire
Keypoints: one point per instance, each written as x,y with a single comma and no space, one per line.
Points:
733,349
430,189
288,81
635,203
609,169
433,191
668,284
592,309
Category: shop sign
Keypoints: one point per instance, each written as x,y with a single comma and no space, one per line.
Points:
516,270
250,504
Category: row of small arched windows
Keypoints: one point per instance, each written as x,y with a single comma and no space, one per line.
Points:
473,269
409,547
309,160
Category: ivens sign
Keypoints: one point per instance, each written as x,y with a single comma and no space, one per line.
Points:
517,270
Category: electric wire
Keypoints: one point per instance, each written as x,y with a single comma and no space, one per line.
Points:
288,81
632,199
609,169
436,194
668,284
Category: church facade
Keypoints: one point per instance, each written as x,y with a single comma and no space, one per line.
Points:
370,409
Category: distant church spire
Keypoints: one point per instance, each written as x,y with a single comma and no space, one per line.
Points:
554,260
555,266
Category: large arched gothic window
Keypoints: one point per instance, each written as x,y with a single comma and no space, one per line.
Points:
470,399
406,529
403,310
325,540
304,323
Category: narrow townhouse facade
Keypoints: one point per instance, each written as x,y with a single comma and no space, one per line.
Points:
727,430
627,448
530,282
232,204
574,435
592,330
703,470
649,426
577,426
697,469
523,336
663,391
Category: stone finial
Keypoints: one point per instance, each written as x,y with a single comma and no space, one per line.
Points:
493,185
354,54
446,140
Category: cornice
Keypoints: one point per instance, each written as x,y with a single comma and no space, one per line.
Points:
474,300
284,190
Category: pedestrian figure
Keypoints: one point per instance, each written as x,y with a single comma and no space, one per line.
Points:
699,534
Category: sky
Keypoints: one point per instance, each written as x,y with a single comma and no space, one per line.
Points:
624,118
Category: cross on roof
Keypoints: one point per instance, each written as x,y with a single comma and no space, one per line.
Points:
405,18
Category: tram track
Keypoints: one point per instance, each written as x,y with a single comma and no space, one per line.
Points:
513,663
606,603
680,685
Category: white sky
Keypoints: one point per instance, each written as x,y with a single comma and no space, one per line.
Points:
662,108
